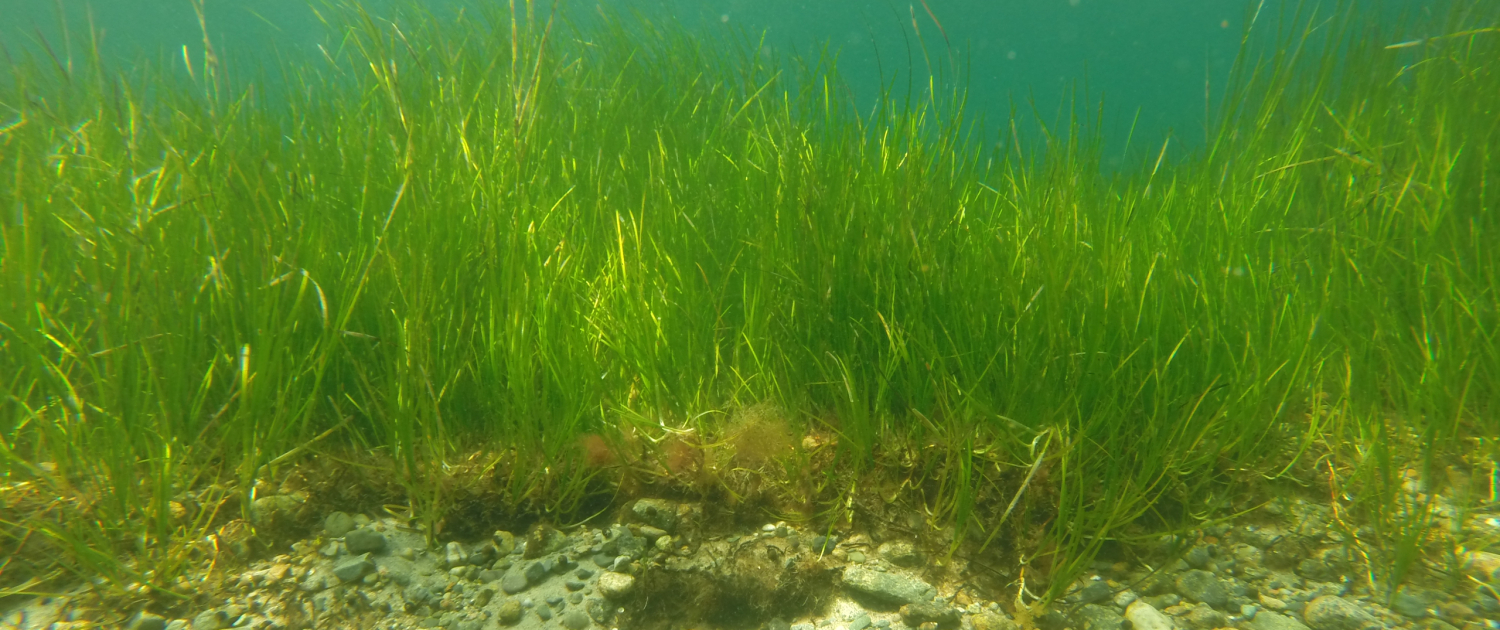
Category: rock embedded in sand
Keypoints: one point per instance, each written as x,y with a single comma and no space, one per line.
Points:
890,587
900,553
353,567
1267,620
1202,586
927,612
364,540
1331,612
575,620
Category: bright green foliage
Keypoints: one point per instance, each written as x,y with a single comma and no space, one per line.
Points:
503,233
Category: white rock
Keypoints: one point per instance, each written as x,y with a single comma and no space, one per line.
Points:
1144,616
616,585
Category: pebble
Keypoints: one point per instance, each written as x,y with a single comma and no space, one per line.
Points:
900,553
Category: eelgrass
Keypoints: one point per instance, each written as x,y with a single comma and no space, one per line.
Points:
495,236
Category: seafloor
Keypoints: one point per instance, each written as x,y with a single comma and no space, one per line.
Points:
1294,563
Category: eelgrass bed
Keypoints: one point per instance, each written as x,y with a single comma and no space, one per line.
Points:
512,264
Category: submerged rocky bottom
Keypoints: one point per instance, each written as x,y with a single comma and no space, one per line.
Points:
1284,568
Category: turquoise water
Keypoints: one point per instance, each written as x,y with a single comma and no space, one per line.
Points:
1157,65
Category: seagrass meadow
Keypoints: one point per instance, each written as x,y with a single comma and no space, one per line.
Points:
516,268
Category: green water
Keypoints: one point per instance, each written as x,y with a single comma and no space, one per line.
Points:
1155,64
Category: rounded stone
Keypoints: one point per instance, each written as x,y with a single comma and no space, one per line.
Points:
338,524
616,585
1202,586
364,540
510,612
575,620
514,582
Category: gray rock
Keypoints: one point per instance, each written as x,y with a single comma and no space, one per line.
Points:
1410,605
1316,570
657,513
514,582
536,572
177,624
923,612
1096,591
211,620
890,587
1144,616
574,585
575,620
364,540
148,621
417,594
1205,617
1096,617
1267,620
1331,612
338,524
1164,601
860,623
544,613
353,567
632,547
1198,557
616,586
1202,586
823,544
900,553
1262,537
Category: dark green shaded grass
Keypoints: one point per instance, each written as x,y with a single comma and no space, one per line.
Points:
502,234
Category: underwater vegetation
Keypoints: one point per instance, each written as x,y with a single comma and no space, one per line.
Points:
511,268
